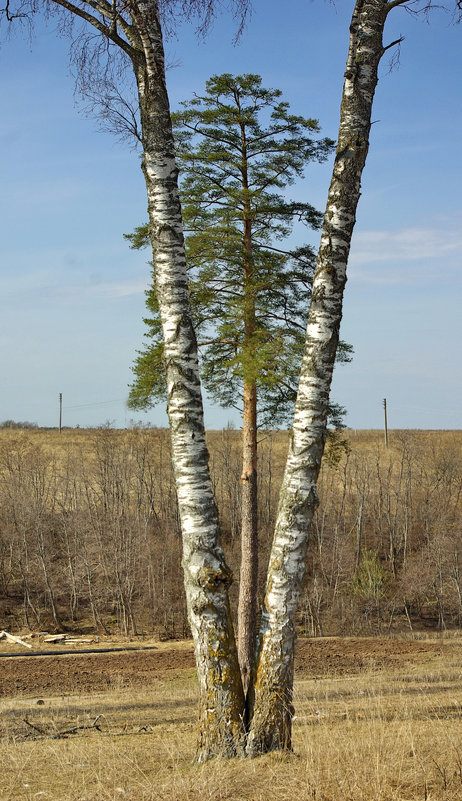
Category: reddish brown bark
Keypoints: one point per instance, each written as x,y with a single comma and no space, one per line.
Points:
247,608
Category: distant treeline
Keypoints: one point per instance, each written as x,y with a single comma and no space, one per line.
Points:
14,424
90,539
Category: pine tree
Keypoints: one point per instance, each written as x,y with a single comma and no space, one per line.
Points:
239,147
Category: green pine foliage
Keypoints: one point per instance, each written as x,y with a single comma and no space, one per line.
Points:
238,149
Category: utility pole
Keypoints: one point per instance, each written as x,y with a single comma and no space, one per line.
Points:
60,411
385,420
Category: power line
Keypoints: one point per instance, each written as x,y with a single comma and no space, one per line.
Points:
96,403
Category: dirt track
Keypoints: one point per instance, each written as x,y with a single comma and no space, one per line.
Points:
87,673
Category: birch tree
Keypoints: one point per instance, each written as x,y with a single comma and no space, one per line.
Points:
271,707
131,32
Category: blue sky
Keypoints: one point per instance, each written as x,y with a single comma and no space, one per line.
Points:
71,291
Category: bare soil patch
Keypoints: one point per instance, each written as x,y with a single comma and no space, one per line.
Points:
337,656
87,673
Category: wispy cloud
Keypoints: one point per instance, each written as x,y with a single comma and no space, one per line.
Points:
405,250
42,287
71,276
103,289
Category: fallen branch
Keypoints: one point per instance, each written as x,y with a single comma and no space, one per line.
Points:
60,734
79,641
75,729
36,728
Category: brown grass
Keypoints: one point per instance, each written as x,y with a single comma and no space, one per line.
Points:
389,736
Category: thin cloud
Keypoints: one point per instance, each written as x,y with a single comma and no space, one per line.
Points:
43,287
75,293
117,289
426,251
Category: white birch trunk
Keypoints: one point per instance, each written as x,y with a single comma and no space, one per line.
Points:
207,576
271,704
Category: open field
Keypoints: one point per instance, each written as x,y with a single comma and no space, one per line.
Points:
90,540
376,720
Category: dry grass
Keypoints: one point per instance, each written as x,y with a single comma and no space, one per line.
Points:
385,736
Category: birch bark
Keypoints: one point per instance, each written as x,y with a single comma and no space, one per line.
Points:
207,576
135,28
271,699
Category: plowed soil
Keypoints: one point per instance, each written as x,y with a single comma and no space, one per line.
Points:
87,673
336,656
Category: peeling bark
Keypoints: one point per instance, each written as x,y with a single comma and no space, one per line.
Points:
271,701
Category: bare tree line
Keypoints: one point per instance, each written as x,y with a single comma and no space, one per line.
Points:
90,536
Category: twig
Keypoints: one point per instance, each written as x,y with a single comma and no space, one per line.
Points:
10,17
64,733
36,728
77,728
443,774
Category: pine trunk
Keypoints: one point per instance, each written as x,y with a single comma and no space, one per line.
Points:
248,579
271,702
247,607
207,576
